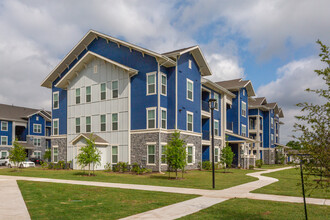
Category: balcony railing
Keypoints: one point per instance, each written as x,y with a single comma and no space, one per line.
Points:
260,126
205,106
20,137
230,125
206,135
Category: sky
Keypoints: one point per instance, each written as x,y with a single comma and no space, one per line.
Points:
271,43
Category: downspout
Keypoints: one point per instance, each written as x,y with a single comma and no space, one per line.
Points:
159,118
176,92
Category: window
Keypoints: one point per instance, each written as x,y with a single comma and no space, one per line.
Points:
37,154
190,91
243,92
37,118
103,122
115,122
272,122
36,128
164,84
189,64
77,96
216,97
151,154
37,142
151,114
88,124
272,138
114,89
95,68
216,155
88,94
114,156
77,125
164,117
190,117
4,154
55,126
216,127
163,156
103,91
4,140
55,100
190,154
55,154
4,126
151,83
243,109
244,130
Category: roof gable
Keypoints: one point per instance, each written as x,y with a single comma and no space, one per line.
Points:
236,84
98,140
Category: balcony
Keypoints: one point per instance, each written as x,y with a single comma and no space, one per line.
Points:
205,106
206,135
230,126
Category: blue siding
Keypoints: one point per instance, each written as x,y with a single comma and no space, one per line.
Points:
171,97
8,133
266,129
232,113
243,120
33,120
205,153
184,104
253,111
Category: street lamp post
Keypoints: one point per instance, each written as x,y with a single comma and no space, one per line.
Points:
212,106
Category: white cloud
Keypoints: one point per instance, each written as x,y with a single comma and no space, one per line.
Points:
288,90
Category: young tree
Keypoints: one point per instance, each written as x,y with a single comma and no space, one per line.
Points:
314,127
227,156
48,155
295,145
17,154
175,153
89,154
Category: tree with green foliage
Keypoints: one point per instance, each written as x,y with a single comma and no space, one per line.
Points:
175,153
227,156
314,127
89,155
48,155
17,154
295,145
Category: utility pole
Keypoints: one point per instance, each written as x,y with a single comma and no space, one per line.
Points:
211,106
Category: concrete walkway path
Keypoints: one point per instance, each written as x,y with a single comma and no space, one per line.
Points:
207,199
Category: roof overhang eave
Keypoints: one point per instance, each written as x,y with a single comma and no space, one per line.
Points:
215,86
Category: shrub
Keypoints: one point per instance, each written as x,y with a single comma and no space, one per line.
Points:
136,168
50,165
259,163
206,165
107,167
60,164
116,168
251,167
124,167
44,165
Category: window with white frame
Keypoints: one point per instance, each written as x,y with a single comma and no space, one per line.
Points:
114,88
244,130
190,154
216,154
95,68
189,64
151,154
163,156
114,154
164,84
37,154
103,123
4,126
272,138
4,154
190,121
36,128
88,124
103,91
55,126
115,121
37,142
164,118
151,114
37,118
55,100
243,92
216,127
151,83
216,104
88,94
77,125
78,96
272,122
55,154
243,109
190,90
4,140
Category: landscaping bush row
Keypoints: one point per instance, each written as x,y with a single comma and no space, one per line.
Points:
125,167
60,165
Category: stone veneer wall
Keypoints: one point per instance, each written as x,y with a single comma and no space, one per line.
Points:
42,147
62,148
139,148
269,156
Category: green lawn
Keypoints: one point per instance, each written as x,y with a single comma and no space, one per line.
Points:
275,166
192,179
289,185
66,201
256,209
